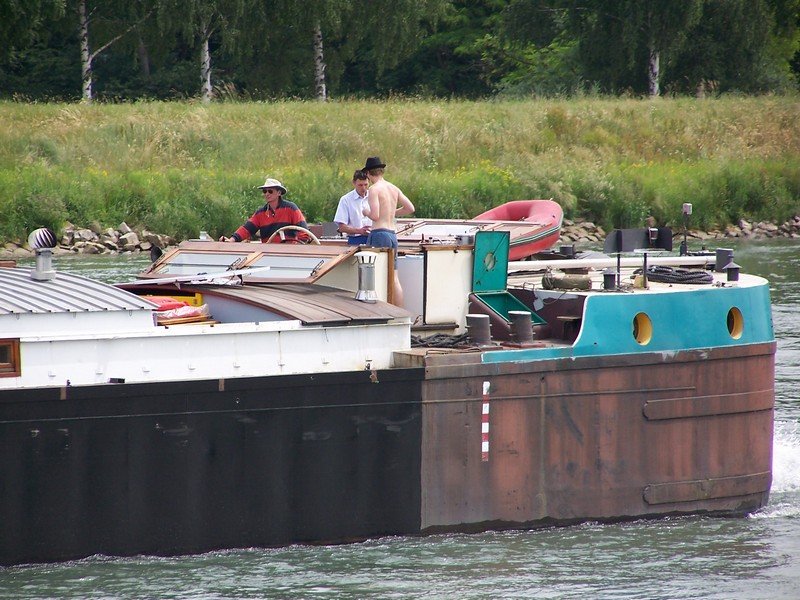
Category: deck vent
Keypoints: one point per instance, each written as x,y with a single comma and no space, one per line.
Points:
42,241
366,277
732,271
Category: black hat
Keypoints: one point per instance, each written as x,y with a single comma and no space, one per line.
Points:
373,162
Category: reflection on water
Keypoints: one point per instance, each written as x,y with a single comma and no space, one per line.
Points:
116,268
751,558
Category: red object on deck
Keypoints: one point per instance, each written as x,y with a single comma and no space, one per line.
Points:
165,302
541,218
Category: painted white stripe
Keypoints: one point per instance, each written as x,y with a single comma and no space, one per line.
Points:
485,422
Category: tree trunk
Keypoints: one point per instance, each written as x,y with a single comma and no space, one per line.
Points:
653,74
319,65
144,59
86,56
206,92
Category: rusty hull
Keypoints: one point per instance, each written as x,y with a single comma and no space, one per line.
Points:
597,438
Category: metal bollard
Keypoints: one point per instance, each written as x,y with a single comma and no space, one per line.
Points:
478,330
521,326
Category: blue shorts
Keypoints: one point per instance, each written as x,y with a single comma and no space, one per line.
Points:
357,240
383,238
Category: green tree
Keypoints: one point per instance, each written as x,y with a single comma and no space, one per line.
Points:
320,22
21,20
368,36
533,52
622,43
745,45
201,21
108,21
455,57
389,33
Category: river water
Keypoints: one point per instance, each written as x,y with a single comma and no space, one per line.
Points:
756,557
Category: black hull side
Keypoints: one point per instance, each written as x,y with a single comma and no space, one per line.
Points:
125,469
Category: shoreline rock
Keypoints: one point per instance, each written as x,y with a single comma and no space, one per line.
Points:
124,240
588,232
95,240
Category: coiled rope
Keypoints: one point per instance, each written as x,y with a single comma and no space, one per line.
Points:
439,340
677,275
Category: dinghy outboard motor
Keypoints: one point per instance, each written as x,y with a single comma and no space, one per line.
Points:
42,241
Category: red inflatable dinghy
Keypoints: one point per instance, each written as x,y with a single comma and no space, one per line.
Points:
539,225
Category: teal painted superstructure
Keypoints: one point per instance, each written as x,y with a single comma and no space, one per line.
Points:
681,320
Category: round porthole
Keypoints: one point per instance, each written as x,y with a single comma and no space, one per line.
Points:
735,323
642,329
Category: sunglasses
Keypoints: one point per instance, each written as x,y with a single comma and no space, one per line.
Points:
270,191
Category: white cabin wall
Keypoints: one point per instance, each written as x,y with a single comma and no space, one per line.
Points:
58,323
411,271
448,282
189,352
343,276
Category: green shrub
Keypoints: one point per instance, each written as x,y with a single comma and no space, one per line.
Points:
182,167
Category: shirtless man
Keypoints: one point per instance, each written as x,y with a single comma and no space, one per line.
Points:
386,201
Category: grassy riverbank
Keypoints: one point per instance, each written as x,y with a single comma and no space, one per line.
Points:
178,168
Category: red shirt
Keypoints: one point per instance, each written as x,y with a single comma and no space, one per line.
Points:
267,221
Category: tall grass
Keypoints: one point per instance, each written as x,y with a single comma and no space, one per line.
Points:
181,167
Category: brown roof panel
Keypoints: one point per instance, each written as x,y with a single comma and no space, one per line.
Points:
309,303
312,304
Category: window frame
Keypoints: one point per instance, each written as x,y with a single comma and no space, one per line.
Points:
12,367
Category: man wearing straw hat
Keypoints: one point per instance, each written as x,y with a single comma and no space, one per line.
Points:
268,219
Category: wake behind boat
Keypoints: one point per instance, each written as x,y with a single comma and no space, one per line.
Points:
287,400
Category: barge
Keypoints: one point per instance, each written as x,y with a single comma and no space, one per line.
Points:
255,395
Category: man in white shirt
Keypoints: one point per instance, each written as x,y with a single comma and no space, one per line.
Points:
349,214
